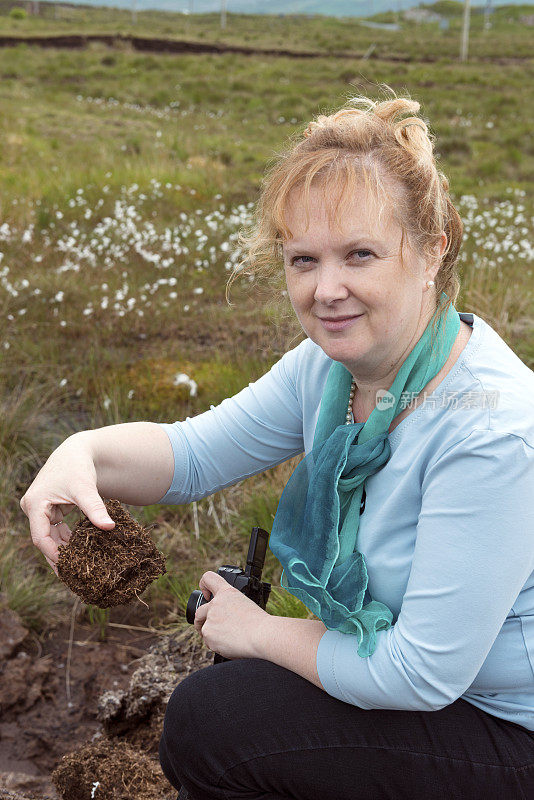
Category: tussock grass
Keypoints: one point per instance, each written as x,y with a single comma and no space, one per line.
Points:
25,586
31,427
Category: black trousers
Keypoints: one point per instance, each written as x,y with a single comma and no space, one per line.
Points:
248,729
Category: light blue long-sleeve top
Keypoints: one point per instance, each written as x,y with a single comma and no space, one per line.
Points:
447,532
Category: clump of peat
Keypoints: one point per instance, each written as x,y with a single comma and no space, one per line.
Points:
110,770
110,568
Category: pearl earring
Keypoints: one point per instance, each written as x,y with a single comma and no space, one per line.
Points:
430,283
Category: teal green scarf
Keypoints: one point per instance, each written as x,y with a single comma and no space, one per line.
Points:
316,525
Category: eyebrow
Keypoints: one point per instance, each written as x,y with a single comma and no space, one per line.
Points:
291,249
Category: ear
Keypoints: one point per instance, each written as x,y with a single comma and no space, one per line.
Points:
431,270
442,244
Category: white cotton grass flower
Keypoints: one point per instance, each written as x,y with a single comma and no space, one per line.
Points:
106,402
27,235
181,379
123,234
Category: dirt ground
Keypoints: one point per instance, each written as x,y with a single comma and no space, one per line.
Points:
50,692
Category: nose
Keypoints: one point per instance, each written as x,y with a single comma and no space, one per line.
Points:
330,284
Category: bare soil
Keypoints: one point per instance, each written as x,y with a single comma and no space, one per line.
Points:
180,46
60,693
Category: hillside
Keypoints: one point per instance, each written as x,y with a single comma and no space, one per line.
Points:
336,8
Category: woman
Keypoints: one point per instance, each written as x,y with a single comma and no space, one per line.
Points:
408,528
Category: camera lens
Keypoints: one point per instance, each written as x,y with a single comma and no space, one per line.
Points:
196,599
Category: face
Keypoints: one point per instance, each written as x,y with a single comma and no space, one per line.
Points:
349,289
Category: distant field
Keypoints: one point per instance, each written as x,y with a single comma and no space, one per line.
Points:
508,37
124,179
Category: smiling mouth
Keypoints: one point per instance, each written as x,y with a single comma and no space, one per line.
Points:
339,319
338,323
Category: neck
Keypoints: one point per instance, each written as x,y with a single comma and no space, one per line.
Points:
368,383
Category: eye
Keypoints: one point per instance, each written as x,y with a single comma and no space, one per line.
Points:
362,254
301,260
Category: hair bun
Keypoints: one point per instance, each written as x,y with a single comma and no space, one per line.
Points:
320,122
410,132
389,110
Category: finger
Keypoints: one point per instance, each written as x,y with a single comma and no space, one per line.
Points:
92,505
54,534
65,533
59,511
40,530
54,568
66,508
210,583
60,533
201,615
56,515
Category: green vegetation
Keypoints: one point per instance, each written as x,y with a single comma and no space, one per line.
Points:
507,37
125,178
100,618
18,13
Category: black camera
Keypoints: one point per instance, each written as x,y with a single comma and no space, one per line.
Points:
247,581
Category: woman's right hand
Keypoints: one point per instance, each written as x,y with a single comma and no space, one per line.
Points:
67,480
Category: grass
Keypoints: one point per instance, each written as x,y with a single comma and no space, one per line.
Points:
124,181
100,618
507,37
25,586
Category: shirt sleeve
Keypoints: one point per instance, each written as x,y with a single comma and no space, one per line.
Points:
473,553
259,427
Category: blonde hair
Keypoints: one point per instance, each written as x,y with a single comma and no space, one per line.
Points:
374,141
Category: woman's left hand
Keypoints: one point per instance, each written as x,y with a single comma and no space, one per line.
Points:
231,624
